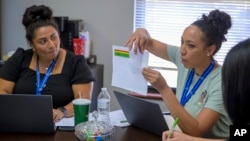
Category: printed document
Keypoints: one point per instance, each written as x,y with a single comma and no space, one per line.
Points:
127,69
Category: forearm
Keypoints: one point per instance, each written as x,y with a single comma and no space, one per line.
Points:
70,109
187,123
80,90
3,92
6,87
157,48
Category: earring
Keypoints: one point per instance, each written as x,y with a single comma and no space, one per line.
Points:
208,54
33,49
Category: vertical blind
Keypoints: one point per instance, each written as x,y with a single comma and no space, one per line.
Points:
166,19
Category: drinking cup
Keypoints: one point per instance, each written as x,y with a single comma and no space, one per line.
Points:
81,110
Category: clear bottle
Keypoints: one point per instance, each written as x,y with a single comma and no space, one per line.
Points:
103,105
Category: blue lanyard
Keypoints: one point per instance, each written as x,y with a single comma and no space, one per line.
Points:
185,95
40,86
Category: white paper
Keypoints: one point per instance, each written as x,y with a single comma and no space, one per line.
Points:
170,121
117,118
66,122
127,71
70,121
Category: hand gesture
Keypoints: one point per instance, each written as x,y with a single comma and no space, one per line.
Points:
176,136
57,115
154,78
140,39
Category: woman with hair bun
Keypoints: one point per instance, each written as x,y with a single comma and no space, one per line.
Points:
46,69
236,89
198,100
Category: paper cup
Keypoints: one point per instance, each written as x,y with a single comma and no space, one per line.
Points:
81,110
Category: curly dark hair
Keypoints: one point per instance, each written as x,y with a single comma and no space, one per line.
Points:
215,27
35,17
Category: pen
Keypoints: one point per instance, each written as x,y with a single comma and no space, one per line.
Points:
123,121
172,128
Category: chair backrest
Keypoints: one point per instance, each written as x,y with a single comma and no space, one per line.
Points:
97,71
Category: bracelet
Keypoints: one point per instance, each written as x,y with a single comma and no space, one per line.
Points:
64,110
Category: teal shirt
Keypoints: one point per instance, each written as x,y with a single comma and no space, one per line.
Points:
209,94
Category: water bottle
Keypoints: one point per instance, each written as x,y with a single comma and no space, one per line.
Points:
103,105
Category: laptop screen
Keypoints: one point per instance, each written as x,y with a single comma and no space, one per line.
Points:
142,114
26,113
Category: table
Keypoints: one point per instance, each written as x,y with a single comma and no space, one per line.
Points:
121,134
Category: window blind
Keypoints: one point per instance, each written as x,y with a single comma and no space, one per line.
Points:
166,19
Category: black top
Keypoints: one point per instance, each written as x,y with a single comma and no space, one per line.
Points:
75,71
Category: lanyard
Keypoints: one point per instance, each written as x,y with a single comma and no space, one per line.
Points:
185,95
40,86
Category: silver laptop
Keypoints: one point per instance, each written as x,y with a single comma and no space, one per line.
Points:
25,113
143,114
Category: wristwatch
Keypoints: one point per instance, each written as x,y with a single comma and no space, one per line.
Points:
64,110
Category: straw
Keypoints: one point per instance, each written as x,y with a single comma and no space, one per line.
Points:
80,95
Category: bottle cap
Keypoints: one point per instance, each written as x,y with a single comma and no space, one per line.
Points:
104,89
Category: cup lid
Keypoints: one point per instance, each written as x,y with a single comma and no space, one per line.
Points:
81,101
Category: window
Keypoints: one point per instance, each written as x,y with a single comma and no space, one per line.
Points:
166,19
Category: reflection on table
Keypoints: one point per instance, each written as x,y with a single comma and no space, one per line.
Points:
121,134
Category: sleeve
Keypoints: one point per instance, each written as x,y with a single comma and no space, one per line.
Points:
82,72
12,67
174,54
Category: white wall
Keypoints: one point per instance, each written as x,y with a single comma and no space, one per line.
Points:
108,21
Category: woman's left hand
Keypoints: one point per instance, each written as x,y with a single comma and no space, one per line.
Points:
57,115
154,78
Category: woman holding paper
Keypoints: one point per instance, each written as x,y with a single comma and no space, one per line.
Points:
198,100
235,82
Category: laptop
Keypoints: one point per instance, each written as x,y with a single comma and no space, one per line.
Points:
25,113
143,114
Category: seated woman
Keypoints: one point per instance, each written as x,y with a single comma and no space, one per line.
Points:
236,89
46,69
198,99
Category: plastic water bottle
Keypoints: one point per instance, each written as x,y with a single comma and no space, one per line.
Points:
103,105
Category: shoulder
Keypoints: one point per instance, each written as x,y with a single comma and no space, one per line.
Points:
174,54
215,76
75,62
21,51
74,59
78,68
15,64
213,84
172,49
20,54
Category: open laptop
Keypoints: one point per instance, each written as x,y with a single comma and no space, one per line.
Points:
142,114
25,113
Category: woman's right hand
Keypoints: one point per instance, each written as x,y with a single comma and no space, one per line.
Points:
140,39
176,136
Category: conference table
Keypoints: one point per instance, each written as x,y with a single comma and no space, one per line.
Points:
129,133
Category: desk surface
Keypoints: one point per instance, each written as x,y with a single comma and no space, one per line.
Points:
121,134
